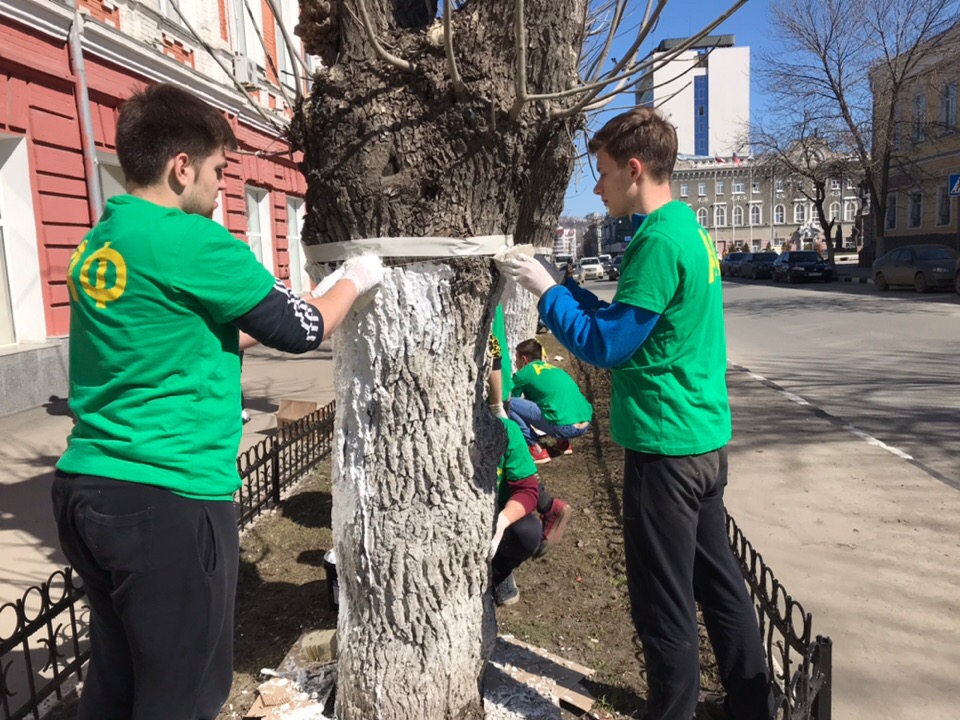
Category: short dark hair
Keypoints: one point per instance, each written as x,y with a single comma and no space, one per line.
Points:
160,122
641,133
530,349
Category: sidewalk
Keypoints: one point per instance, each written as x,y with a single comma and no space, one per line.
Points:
849,272
866,542
34,439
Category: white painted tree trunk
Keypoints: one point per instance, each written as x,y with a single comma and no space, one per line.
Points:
414,471
519,316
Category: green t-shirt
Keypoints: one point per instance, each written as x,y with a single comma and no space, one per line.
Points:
515,463
498,344
154,360
557,394
670,397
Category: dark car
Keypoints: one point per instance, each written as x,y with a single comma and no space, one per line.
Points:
730,265
613,272
923,266
758,264
796,265
956,277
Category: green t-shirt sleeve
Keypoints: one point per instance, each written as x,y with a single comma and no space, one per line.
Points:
519,382
516,463
219,271
650,277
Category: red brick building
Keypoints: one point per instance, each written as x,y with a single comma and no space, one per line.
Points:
63,74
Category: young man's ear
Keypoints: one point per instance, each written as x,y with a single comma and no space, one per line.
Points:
182,169
636,168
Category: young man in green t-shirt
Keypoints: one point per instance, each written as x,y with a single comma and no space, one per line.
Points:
663,339
546,398
162,301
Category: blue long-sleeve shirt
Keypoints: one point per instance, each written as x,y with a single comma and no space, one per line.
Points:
600,333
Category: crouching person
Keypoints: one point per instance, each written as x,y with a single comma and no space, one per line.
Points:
520,533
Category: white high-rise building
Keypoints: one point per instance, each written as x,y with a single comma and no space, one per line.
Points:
705,92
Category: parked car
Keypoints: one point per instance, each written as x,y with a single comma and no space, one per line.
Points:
796,265
730,265
589,268
561,260
923,266
613,272
605,261
758,264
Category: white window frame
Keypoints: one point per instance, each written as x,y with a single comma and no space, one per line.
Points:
755,187
737,187
834,211
703,219
110,172
719,187
779,215
948,108
719,216
684,190
778,185
166,9
944,201
246,41
835,185
799,213
756,209
287,66
296,211
915,209
260,239
737,216
849,211
702,189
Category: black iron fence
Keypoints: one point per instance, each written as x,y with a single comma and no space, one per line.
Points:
44,636
800,664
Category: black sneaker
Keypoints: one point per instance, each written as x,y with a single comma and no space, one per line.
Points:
507,592
715,708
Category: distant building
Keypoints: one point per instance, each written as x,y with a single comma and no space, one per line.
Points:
615,234
926,144
748,207
565,242
704,91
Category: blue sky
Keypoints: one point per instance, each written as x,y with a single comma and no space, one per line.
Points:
680,18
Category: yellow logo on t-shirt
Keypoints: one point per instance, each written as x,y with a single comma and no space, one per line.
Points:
711,254
539,367
98,289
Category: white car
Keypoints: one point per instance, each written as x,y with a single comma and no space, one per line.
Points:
589,268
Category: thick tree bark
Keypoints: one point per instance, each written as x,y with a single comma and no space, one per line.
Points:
399,153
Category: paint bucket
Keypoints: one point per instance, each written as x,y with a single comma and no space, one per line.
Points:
333,585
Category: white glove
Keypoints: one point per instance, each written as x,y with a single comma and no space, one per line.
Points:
327,282
365,272
502,525
498,410
529,273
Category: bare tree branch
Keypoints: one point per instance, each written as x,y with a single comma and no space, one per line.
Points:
458,87
387,57
520,37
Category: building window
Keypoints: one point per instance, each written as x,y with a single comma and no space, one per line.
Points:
756,187
779,215
943,205
702,189
778,185
738,187
720,216
835,211
113,181
919,118
7,334
259,237
756,215
895,131
800,213
948,108
851,185
701,117
849,211
915,209
168,11
684,190
245,30
299,282
835,185
720,187
702,216
737,216
891,219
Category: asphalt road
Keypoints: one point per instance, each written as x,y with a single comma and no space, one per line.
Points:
886,363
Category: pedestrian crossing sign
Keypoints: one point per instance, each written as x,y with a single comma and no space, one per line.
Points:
955,185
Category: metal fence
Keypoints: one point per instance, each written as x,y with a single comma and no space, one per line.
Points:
800,664
44,636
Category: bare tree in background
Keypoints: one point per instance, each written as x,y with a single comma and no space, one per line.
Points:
803,155
447,121
846,66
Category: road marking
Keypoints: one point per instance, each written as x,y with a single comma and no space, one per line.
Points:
853,430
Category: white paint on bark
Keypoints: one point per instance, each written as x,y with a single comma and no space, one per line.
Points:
414,471
519,316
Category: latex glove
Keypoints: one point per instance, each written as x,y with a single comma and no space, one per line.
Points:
502,525
364,271
498,410
529,273
327,282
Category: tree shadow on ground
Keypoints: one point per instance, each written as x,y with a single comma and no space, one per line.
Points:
310,509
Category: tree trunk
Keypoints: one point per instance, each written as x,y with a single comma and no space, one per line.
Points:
413,507
520,316
389,153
